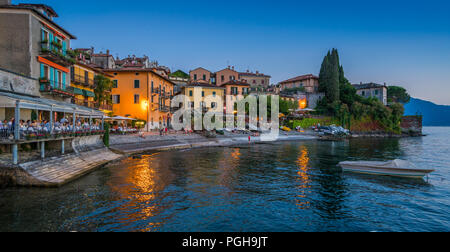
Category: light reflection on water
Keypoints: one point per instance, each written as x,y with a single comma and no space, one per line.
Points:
273,187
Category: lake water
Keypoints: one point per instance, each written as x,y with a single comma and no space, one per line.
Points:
291,186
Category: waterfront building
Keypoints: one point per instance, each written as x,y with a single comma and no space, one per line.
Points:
226,75
83,81
373,90
235,91
142,94
259,82
309,82
33,45
201,75
204,97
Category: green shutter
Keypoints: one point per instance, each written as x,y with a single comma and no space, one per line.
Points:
88,93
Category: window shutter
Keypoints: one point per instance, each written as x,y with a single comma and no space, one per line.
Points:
52,76
42,71
50,41
64,49
64,81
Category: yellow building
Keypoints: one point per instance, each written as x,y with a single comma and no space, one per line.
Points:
205,96
83,82
142,94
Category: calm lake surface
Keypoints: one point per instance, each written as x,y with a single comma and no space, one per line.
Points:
291,186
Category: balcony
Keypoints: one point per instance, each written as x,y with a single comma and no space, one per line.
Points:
83,81
85,103
155,91
55,54
55,88
108,107
167,95
164,109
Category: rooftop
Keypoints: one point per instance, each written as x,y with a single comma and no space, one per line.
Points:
300,78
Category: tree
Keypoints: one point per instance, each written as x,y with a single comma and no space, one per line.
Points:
103,85
329,77
398,94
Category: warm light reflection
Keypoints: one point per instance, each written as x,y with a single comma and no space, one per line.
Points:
236,154
139,185
303,178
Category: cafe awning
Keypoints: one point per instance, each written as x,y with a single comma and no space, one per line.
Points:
9,100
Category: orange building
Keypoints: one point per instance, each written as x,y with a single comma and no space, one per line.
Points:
142,94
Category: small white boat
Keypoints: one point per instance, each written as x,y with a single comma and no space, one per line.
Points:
397,168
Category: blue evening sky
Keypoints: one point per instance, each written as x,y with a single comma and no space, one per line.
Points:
403,43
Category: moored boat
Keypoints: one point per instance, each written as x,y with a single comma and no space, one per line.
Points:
397,168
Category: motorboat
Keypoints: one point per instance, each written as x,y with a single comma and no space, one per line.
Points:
397,168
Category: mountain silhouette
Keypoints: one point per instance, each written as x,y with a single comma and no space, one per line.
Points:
433,114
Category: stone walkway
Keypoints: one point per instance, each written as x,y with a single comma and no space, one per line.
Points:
60,170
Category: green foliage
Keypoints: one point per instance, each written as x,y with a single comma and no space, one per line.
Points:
329,78
286,106
398,94
106,135
103,85
289,91
34,116
343,103
180,74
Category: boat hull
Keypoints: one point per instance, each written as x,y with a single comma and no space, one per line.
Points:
395,172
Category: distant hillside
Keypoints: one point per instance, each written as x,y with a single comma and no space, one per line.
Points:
433,115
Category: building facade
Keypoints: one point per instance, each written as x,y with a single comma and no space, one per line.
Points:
201,75
204,97
309,82
33,45
373,90
142,94
259,82
226,75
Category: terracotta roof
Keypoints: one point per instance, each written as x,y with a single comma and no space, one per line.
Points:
199,84
200,68
33,9
236,83
300,78
131,69
254,74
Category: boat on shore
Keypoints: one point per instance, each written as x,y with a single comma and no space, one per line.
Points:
396,168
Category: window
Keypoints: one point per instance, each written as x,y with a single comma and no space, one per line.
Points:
214,94
363,93
222,78
204,77
116,99
115,83
136,84
254,81
203,93
136,99
191,93
195,77
262,82
376,92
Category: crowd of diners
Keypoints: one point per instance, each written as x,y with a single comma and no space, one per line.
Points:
63,126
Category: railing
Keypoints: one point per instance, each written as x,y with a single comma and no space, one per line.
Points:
47,86
85,103
164,109
108,107
82,80
155,91
43,133
55,54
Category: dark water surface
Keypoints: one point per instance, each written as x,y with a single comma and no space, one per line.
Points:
293,186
